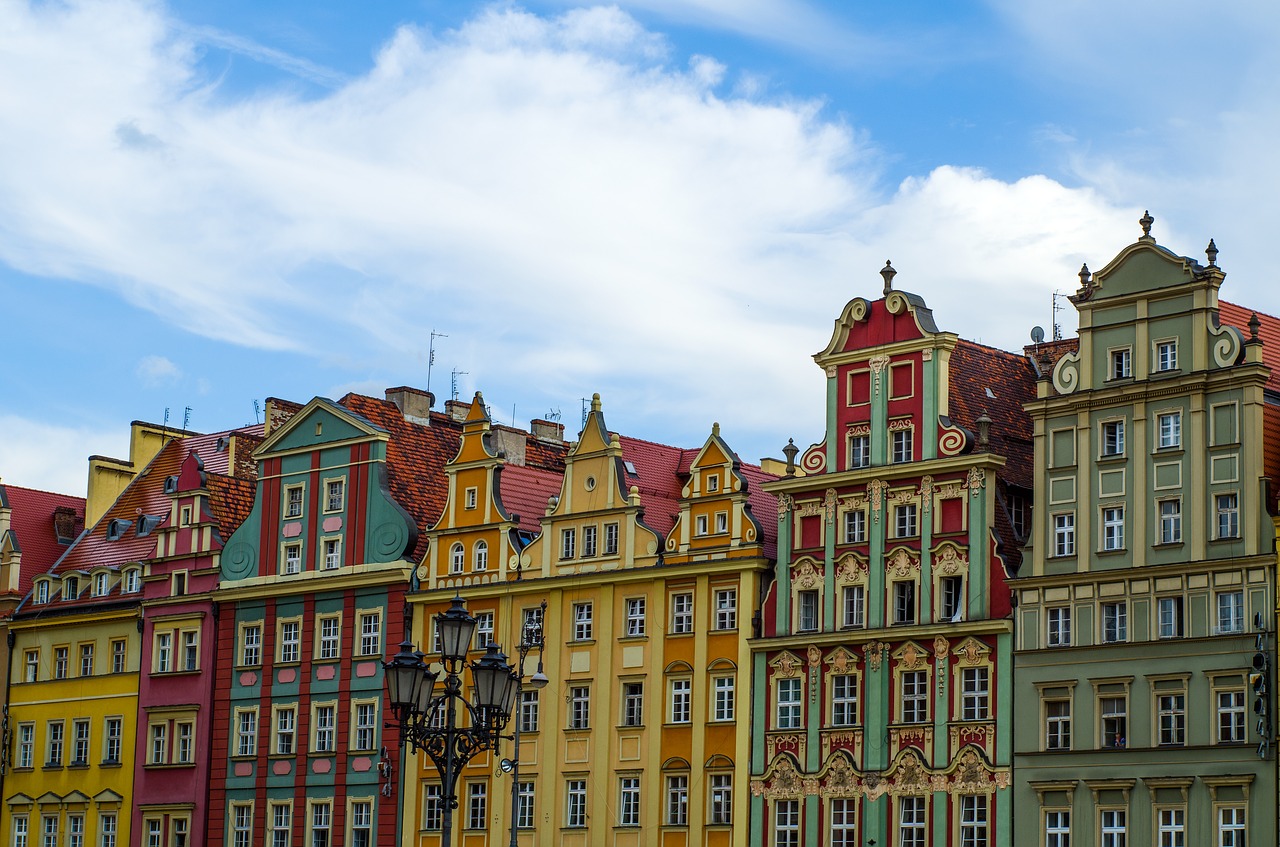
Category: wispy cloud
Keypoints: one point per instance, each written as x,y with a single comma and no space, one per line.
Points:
251,49
155,371
52,457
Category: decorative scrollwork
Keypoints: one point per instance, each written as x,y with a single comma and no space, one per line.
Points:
1066,374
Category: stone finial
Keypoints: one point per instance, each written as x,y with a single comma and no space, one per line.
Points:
790,452
1146,221
715,428
1254,323
888,273
1212,252
595,402
1086,277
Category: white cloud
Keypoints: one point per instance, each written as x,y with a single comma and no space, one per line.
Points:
155,371
50,457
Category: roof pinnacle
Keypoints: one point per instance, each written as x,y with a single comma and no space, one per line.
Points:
1146,221
888,273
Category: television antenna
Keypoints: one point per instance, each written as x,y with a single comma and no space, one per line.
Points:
431,357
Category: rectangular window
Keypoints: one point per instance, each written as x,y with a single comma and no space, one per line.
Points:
904,602
477,805
859,451
20,831
246,732
321,823
588,541
1114,714
681,694
335,495
681,614
290,641
1170,614
582,624
911,822
632,704
1169,427
251,645
432,808
1231,611
528,711
1057,724
60,662
86,659
1167,356
1064,535
575,815
484,629
901,446
1231,826
786,823
629,801
80,742
700,525
1228,506
286,726
855,527
292,558
1170,521
1057,829
1113,528
371,634
293,495
1231,726
635,617
952,598
974,694
49,830
678,800
789,704
332,553
1059,626
855,605
808,611
568,542
915,696
1115,622
580,707
281,824
112,732
330,637
54,733
365,734
722,522
32,664
164,652
1115,830
323,740
724,693
1121,364
524,805
241,825
1113,438
844,823
1173,828
721,799
844,700
726,610
905,521
973,820
26,757
611,539
1171,716
159,744
75,831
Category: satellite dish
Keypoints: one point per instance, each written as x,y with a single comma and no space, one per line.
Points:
1037,334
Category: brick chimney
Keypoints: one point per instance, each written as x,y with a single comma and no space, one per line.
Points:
545,430
414,403
64,524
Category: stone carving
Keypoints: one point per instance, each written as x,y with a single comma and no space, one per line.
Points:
911,777
785,505
830,503
910,657
809,509
926,355
971,651
832,370
785,781
1066,374
874,652
875,495
949,560
950,491
902,564
806,574
851,569
877,365
842,661
1226,345
840,779
849,740
975,482
786,665
794,743
926,493
814,656
940,645
814,460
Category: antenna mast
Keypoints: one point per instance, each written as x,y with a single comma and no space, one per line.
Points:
1057,327
431,356
454,387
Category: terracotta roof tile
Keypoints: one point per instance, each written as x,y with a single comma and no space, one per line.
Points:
525,492
1268,331
31,523
998,383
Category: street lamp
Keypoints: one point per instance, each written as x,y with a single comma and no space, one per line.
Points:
530,637
429,721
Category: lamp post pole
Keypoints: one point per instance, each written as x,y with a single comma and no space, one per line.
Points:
530,637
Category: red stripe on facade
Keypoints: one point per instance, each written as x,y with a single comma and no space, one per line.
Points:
263,763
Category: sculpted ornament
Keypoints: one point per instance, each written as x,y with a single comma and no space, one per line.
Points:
842,662
851,569
950,491
815,656
926,493
830,503
910,657
875,494
786,742
971,651
976,481
785,781
940,645
948,560
874,651
902,564
785,505
840,780
911,776
787,665
806,575
810,509
877,365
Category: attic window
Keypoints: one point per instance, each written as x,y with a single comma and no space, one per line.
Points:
42,591
221,443
713,483
631,468
70,588
991,394
170,485
146,523
117,528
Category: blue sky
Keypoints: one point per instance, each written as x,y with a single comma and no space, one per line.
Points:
203,205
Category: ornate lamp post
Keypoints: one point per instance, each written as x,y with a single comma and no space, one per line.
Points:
530,637
430,722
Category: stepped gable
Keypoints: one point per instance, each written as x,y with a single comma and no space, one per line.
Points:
1010,378
32,528
525,491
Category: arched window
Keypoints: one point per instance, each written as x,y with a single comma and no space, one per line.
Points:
481,557
457,557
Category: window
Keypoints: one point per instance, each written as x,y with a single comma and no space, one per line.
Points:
855,527
20,831
49,830
635,617
480,556
681,614
118,649
1170,613
904,602
610,539
1113,528
1115,622
681,694
859,451
1113,438
190,650
1231,826
1170,521
1231,611
974,694
246,732
579,707
60,662
700,525
1059,626
721,799
632,704
101,584
524,805
722,522
42,591
855,604
1231,717
371,634
808,611
529,711
723,692
472,498
281,824
713,484
290,641
1228,506
904,520
32,665
241,825
53,749
321,821
285,728
1171,717
629,801
292,558
844,700
973,820
952,598
568,541
1114,828
1057,829
330,637
726,610
582,628
1057,724
293,501
70,588
332,553
432,808
323,728
484,629
789,704
844,823
86,659
1169,427
113,729
588,541
80,742
786,823
164,652
365,734
1064,535
678,800
457,558
575,814
335,491
1172,827
901,446
1121,364
1114,712
477,805
911,831
132,581
1167,355
75,831
915,696
26,757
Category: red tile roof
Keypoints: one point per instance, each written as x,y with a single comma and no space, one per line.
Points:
657,478
1047,353
31,523
997,383
1268,331
525,492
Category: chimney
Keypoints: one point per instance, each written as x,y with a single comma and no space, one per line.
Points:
545,430
414,403
457,409
510,443
64,524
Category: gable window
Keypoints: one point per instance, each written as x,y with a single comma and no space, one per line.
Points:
915,696
902,446
293,495
789,703
1113,528
855,527
1228,507
855,604
952,598
713,484
681,613
905,520
1113,438
808,611
588,541
859,451
635,617
1170,521
1059,626
1121,363
904,602
480,556
611,539
582,624
726,609
1169,427
335,495
1170,616
1115,622
568,541
457,557
472,498
1167,356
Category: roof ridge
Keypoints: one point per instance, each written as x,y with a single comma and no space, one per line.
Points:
1258,312
11,486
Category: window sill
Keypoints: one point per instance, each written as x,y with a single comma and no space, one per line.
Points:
112,764
725,631
1167,545
165,674
167,766
1112,458
633,638
581,642
1119,551
78,766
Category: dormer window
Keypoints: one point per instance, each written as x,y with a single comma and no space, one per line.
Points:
42,591
101,584
117,528
70,588
146,523
132,581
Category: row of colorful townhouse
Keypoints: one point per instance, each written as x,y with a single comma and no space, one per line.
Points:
1009,598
